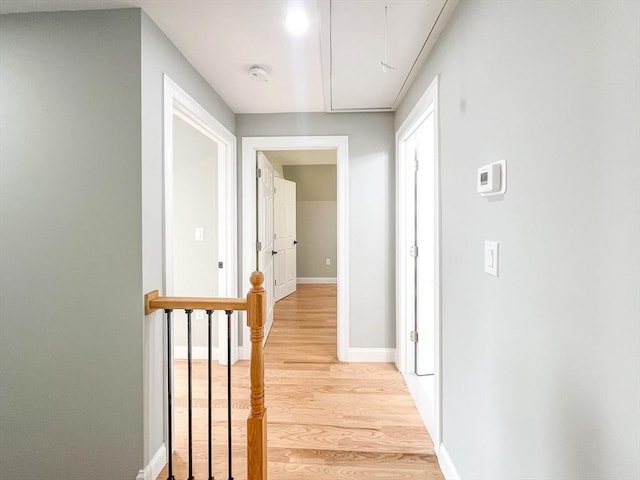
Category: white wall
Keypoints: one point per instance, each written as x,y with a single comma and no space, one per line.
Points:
371,210
195,203
70,246
316,219
160,56
541,366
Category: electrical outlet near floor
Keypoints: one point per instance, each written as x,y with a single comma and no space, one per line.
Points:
327,262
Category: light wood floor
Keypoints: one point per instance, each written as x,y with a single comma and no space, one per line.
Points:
326,420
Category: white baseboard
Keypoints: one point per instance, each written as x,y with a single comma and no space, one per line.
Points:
421,390
449,470
155,466
317,280
373,355
197,353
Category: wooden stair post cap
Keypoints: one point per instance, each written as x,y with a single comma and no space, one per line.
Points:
257,279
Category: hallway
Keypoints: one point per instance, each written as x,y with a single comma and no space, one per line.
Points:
326,419
336,420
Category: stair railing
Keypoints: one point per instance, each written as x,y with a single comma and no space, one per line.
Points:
255,306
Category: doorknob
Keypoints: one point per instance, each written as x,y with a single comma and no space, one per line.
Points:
273,252
295,242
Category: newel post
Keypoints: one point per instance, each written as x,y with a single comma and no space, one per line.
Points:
257,421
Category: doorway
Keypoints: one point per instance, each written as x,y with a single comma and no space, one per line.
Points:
200,210
251,147
297,221
418,259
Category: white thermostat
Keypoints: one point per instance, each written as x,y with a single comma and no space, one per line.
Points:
492,179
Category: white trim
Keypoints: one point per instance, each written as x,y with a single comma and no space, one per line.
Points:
423,400
447,466
371,355
250,147
303,280
155,466
197,353
427,104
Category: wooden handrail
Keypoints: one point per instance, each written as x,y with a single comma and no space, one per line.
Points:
256,307
153,302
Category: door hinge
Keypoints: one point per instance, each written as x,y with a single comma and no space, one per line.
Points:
416,165
275,282
413,251
259,173
413,336
220,265
258,246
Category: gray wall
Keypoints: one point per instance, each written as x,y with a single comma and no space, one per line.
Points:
70,248
316,218
371,210
160,56
541,366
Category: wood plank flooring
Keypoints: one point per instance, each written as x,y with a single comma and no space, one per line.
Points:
326,420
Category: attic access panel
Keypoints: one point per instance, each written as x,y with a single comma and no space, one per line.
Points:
357,47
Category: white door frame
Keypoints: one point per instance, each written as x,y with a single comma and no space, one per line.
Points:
427,103
176,100
250,148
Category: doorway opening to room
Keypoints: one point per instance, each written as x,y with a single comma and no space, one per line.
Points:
200,212
418,259
312,248
297,227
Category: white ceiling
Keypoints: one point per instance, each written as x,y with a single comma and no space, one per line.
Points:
334,66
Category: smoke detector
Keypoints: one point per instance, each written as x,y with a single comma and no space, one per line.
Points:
259,72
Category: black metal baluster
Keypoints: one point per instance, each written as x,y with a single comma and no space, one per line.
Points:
169,419
229,312
211,477
189,407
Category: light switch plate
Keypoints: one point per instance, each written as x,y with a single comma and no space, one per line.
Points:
199,235
491,258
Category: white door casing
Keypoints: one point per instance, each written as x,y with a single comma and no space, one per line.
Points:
265,246
340,143
284,215
428,402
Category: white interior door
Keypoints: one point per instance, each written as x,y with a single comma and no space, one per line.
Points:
421,205
285,237
265,246
425,240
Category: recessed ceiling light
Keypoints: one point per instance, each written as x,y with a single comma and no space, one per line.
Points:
297,21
